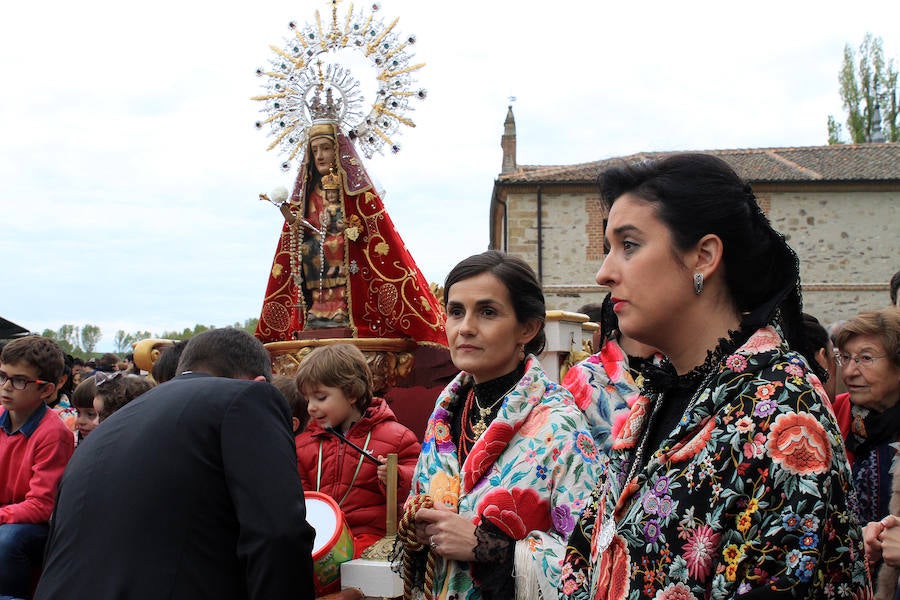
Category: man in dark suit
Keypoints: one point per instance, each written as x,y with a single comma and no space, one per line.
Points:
189,492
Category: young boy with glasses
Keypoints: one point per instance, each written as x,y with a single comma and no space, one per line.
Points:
35,447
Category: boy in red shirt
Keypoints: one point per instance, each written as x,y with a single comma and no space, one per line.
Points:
35,447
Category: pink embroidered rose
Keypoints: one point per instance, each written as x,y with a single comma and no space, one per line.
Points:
799,443
536,421
576,381
764,340
675,591
756,447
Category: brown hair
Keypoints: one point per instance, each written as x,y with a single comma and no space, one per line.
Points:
83,396
296,401
119,391
339,365
883,324
41,353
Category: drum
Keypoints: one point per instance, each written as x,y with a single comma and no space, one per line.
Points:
333,544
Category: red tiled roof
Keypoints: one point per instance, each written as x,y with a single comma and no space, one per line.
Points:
837,163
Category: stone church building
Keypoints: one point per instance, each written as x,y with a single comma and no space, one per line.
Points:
839,207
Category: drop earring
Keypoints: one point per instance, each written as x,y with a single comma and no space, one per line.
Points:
698,283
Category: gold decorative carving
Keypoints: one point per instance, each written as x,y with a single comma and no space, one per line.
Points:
147,351
390,360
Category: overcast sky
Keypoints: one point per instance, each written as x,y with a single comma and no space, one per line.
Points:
130,166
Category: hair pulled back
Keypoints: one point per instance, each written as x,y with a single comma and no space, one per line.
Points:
525,291
698,194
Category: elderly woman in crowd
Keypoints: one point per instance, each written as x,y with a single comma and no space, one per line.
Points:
728,478
507,461
869,417
869,413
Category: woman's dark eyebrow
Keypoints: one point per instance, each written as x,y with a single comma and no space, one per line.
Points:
623,229
479,303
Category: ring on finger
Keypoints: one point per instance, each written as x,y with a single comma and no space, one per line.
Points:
431,540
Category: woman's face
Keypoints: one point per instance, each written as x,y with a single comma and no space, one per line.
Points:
876,386
484,334
650,284
322,150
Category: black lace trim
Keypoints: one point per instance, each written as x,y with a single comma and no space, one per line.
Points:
495,554
663,378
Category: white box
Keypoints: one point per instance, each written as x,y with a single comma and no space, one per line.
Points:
374,578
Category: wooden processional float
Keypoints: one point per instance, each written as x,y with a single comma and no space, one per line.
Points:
341,273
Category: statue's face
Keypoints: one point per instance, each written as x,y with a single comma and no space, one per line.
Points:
322,151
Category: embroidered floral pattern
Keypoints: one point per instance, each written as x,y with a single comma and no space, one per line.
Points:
605,390
750,493
530,474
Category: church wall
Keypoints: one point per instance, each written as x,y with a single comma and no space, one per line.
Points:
848,244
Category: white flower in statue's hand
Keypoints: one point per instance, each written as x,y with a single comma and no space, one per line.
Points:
279,195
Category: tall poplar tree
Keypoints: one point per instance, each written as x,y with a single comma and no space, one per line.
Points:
864,85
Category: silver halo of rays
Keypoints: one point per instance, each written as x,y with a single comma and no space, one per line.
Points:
300,68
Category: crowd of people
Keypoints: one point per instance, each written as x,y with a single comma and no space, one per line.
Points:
719,443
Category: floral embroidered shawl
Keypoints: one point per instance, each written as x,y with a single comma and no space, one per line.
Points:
747,497
605,390
530,473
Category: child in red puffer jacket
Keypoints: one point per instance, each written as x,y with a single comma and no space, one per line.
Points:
337,384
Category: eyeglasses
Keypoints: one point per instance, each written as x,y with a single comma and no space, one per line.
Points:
19,382
863,361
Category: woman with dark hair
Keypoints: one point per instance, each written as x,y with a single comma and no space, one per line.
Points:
818,350
728,478
507,462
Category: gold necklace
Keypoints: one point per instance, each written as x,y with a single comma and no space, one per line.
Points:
481,425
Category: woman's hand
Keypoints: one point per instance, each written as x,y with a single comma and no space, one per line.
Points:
871,541
449,534
881,540
889,539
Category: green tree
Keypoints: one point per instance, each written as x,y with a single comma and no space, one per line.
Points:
864,86
90,336
123,341
63,343
249,325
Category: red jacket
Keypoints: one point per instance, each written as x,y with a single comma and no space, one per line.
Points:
363,497
32,461
841,408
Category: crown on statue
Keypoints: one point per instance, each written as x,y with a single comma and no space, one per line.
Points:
324,114
332,181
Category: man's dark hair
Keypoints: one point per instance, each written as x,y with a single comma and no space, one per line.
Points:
226,352
593,311
107,363
166,365
895,285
